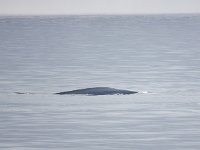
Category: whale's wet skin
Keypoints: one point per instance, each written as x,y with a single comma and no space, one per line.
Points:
98,91
91,91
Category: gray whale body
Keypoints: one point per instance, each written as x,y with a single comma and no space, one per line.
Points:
98,91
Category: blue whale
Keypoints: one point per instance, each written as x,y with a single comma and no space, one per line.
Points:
98,91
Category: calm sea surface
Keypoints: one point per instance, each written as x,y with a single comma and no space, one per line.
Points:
159,54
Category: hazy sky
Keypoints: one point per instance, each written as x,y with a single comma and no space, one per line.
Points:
8,7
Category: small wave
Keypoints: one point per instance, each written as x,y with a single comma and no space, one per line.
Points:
23,93
144,92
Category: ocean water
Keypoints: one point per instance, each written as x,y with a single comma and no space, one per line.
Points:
157,55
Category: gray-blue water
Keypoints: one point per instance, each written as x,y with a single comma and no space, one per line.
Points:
159,54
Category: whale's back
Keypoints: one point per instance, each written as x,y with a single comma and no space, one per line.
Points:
98,91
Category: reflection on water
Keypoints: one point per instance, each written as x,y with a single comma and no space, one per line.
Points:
44,55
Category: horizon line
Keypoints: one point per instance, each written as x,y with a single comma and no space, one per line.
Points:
100,14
